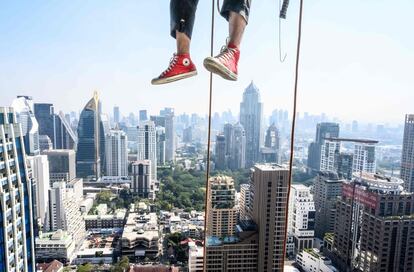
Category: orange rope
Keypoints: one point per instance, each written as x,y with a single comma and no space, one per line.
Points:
208,142
292,135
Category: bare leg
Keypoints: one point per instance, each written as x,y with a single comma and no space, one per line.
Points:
183,43
237,24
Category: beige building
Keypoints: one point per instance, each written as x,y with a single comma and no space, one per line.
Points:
223,213
269,187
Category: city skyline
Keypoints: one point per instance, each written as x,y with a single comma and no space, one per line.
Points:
96,47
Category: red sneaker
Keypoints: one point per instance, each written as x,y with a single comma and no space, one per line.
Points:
180,67
225,63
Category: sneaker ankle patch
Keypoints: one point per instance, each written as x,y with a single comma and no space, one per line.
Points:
186,62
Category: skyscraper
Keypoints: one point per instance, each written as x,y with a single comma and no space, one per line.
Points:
329,151
39,165
62,165
374,225
16,210
166,120
116,155
143,116
147,149
407,158
251,111
364,159
327,188
220,153
323,130
268,190
88,156
168,114
222,211
55,126
160,142
117,115
271,150
238,147
142,183
23,107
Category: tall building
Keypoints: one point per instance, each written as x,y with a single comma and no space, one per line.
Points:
343,164
116,153
143,116
238,148
302,217
222,211
407,158
271,150
64,213
364,159
117,115
327,188
268,190
62,165
329,151
16,210
23,107
244,202
251,115
374,225
220,153
147,149
55,126
39,165
141,184
88,156
323,130
188,135
166,120
160,143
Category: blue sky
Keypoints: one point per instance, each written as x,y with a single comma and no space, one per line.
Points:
357,56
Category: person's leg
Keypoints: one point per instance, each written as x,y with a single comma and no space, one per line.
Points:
237,24
182,14
225,64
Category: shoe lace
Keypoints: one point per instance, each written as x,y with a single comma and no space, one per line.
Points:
226,53
173,62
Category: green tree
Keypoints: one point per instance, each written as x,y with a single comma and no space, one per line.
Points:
85,268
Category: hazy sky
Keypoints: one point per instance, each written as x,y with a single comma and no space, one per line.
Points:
357,56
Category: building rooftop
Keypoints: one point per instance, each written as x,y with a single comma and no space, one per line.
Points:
140,226
270,167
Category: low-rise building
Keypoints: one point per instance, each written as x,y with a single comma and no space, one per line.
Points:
99,247
58,245
106,221
141,236
195,257
311,260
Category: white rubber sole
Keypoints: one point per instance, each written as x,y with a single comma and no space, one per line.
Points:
159,81
214,66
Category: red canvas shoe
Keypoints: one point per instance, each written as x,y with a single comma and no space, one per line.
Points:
225,63
180,67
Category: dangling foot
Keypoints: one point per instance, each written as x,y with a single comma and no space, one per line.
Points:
225,63
180,67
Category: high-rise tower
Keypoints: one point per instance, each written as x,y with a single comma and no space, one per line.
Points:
16,210
407,158
251,113
88,157
147,149
268,191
